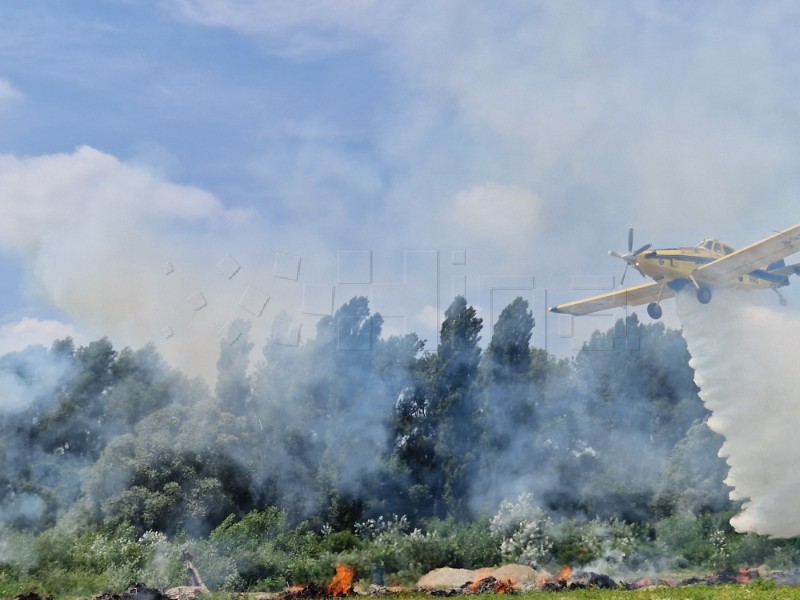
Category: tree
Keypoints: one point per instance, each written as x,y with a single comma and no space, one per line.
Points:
185,469
508,403
636,390
233,383
355,406
459,352
455,406
75,424
414,428
509,354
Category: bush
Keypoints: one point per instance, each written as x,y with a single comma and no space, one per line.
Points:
525,531
389,552
94,560
259,552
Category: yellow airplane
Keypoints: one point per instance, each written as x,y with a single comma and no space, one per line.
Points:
706,266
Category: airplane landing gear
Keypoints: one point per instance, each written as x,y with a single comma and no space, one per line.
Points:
704,294
781,299
655,311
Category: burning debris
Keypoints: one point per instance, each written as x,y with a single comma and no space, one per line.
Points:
568,579
450,582
341,585
489,581
490,585
725,576
499,581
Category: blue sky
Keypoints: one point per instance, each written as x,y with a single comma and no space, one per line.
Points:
404,150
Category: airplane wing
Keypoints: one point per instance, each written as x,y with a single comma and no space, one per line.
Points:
641,294
753,257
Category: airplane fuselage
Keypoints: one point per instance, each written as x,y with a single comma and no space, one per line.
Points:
679,265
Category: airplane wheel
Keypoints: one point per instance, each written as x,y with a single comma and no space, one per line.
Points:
704,294
655,311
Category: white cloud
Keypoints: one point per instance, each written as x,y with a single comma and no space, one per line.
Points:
94,234
8,92
495,211
32,331
272,15
68,193
296,28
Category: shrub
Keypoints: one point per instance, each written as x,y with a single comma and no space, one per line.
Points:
524,530
259,552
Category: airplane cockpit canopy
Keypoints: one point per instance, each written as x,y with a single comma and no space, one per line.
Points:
716,246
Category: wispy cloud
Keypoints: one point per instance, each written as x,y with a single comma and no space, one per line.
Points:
302,30
8,92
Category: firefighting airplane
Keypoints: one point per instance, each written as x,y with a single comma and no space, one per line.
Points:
706,266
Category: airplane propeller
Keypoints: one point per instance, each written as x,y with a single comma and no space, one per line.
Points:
629,257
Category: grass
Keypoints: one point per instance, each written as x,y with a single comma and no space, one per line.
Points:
753,591
727,592
62,586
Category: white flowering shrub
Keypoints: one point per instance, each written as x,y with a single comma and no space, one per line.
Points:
529,535
524,529
721,556
380,528
163,566
606,546
122,558
389,551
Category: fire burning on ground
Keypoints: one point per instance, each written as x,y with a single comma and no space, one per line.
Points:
487,583
497,581
339,586
342,582
494,580
484,581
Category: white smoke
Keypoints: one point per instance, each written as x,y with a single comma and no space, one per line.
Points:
119,251
745,362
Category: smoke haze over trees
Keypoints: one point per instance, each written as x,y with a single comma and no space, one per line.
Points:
353,425
354,428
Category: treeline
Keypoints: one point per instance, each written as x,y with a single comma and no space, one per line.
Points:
352,428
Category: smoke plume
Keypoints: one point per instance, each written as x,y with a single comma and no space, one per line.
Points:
745,365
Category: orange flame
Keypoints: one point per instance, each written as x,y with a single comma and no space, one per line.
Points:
743,576
479,576
341,584
566,571
503,587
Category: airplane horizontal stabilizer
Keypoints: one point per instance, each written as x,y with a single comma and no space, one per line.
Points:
787,270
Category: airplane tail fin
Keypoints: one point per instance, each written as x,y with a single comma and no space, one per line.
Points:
779,267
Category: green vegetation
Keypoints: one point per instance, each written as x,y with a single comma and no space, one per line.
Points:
370,451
